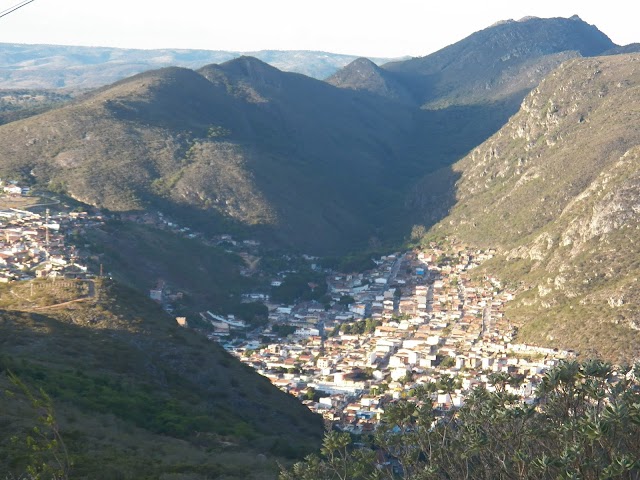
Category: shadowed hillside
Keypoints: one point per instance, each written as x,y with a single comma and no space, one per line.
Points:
136,396
304,163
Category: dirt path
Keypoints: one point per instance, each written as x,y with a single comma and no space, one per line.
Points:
90,295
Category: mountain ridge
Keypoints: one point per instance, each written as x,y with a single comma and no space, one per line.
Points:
499,63
555,190
220,146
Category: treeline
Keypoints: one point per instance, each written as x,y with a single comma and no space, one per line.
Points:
583,424
300,286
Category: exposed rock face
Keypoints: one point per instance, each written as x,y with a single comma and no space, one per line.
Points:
558,191
498,63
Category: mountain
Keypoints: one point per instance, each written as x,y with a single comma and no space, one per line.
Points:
244,146
556,190
363,74
631,48
135,395
499,64
72,67
240,143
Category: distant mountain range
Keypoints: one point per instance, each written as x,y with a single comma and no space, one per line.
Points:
58,66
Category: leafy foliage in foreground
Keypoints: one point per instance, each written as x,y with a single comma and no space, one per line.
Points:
585,423
42,449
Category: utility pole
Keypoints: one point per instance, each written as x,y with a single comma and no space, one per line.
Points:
46,231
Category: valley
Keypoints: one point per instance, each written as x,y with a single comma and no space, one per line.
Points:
418,321
203,265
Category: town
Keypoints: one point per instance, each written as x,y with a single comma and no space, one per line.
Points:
34,245
417,321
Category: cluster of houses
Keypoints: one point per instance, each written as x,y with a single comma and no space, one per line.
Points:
34,245
426,320
14,189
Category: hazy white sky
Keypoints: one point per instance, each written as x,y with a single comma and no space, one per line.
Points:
361,27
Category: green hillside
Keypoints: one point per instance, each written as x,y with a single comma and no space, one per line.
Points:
136,396
143,256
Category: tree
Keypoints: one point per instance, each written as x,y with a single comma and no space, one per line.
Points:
40,452
447,362
418,232
300,286
254,313
310,393
346,300
584,423
338,461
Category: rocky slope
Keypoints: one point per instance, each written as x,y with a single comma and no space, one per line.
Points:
557,191
499,64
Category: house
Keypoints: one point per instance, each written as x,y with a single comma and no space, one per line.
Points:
155,295
306,332
13,189
182,321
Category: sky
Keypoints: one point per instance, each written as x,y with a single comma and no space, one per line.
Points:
372,28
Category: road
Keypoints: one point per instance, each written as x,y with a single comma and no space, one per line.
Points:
54,201
395,268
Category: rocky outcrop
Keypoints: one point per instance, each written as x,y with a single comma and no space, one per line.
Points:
557,190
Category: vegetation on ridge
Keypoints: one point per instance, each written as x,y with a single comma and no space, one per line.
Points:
585,423
320,169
